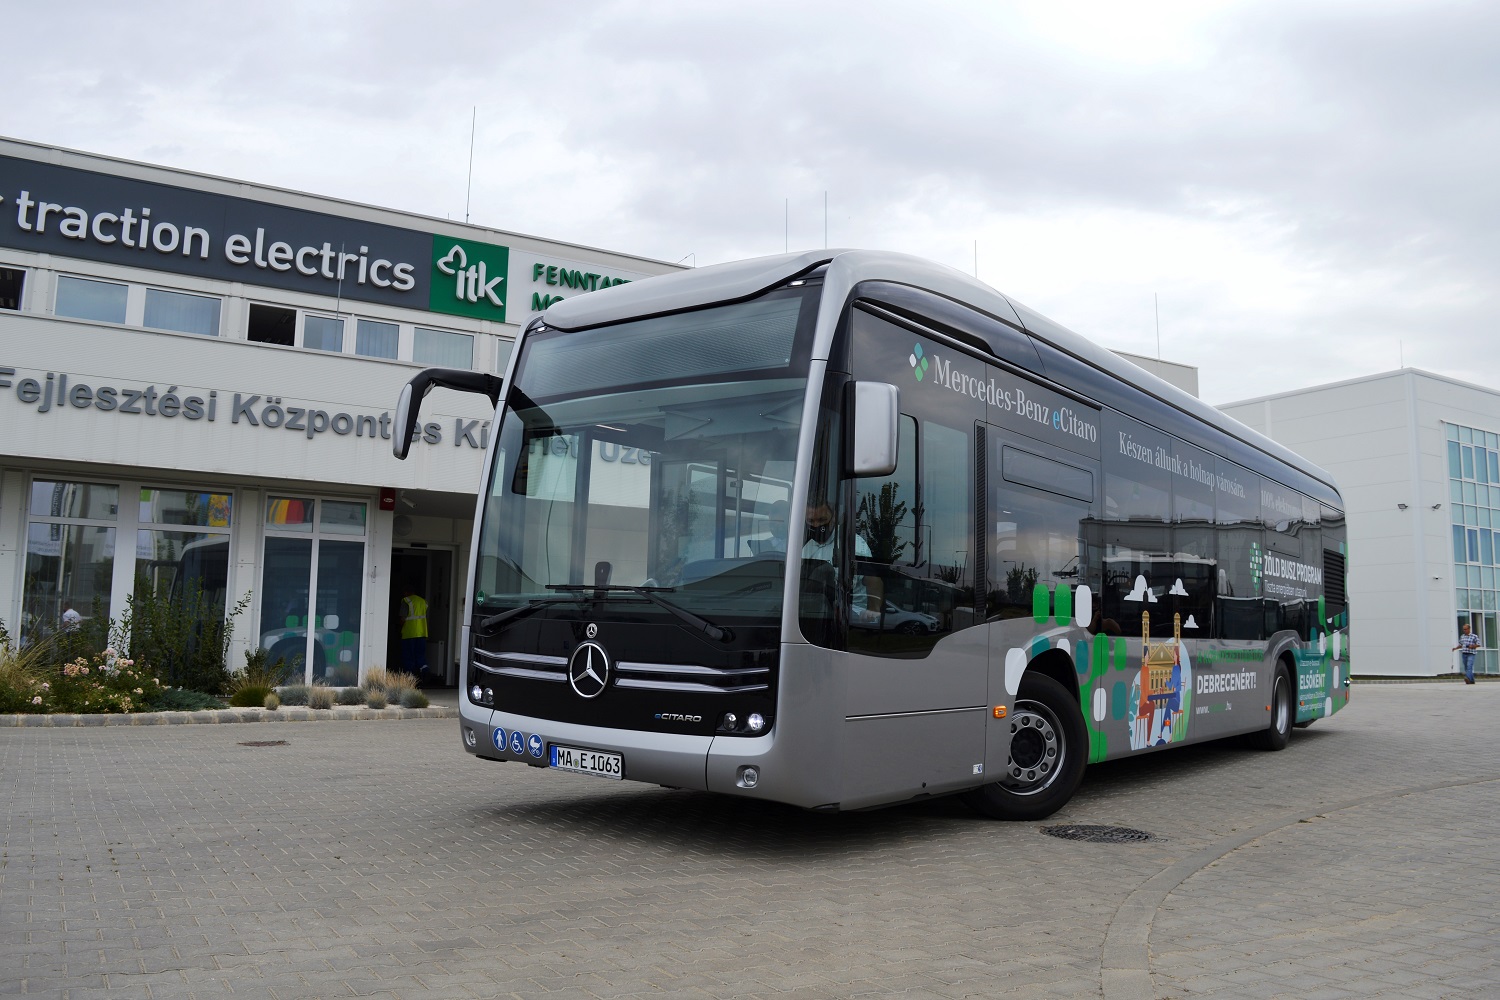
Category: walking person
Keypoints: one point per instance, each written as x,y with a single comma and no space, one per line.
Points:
1468,642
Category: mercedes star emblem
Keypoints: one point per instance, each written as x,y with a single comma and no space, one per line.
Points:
588,670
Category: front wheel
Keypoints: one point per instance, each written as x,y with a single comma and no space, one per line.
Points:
1048,752
1278,733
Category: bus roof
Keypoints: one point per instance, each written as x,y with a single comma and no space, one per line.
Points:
744,279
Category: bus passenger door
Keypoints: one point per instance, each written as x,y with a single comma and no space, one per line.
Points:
1041,570
915,673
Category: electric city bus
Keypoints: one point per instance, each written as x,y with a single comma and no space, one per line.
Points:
844,529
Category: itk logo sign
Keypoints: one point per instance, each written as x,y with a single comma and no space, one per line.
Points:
468,278
918,363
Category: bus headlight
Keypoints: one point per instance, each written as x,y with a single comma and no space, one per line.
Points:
476,693
729,723
755,723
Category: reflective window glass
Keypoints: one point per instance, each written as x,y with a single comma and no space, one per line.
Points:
439,347
181,312
1455,459
186,507
68,566
341,517
375,340
323,333
1468,460
83,298
183,565
289,513
91,501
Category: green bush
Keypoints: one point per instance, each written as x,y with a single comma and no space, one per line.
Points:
104,682
319,696
294,694
249,696
414,699
185,634
272,703
184,700
351,696
375,699
22,672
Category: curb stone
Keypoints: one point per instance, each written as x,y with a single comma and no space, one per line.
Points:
228,715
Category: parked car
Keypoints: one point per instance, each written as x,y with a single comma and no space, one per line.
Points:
896,619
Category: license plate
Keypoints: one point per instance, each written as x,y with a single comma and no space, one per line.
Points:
596,762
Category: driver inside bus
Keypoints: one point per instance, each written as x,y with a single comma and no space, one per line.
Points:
818,542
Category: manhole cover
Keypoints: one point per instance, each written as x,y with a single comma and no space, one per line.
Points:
1098,834
264,743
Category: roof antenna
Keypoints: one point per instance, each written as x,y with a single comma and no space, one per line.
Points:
473,121
1157,304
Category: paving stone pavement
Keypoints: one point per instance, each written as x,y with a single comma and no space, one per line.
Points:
380,860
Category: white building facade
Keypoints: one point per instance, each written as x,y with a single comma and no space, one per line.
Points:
197,381
1417,459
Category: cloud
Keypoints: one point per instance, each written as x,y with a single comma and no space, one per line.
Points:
1307,181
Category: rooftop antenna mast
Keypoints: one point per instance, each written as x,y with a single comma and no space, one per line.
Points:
473,121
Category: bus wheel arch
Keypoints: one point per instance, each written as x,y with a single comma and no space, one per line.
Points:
1048,752
1278,731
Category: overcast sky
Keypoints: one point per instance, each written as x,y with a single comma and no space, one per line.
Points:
1308,189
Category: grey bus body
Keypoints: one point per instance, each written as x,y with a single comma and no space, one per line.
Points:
1039,554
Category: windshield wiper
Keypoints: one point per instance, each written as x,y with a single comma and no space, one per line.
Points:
533,605
653,594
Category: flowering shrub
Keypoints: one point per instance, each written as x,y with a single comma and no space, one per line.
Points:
104,682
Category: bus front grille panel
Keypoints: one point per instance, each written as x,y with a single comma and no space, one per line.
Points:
530,666
689,677
674,677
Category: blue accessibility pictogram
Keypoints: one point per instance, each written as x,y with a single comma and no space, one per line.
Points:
500,739
517,742
534,745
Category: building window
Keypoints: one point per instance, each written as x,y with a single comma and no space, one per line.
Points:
272,325
70,553
84,298
182,550
323,333
375,340
181,312
12,281
439,347
1474,509
312,586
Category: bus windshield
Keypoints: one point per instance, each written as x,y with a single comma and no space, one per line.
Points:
665,467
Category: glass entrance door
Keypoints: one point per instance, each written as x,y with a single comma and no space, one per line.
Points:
312,588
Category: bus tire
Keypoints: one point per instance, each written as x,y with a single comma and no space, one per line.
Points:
1278,733
1049,750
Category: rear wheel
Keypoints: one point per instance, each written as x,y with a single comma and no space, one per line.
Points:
1278,732
1048,752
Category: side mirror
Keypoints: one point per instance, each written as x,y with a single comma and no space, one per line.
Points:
873,414
409,405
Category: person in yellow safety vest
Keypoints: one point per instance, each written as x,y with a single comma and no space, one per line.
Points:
413,632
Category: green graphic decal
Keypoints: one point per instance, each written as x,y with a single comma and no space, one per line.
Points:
918,362
1256,561
1041,602
468,278
1063,604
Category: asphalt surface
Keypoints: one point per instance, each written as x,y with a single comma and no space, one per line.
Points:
374,858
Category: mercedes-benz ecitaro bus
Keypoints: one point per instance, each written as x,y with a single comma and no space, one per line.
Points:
844,529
